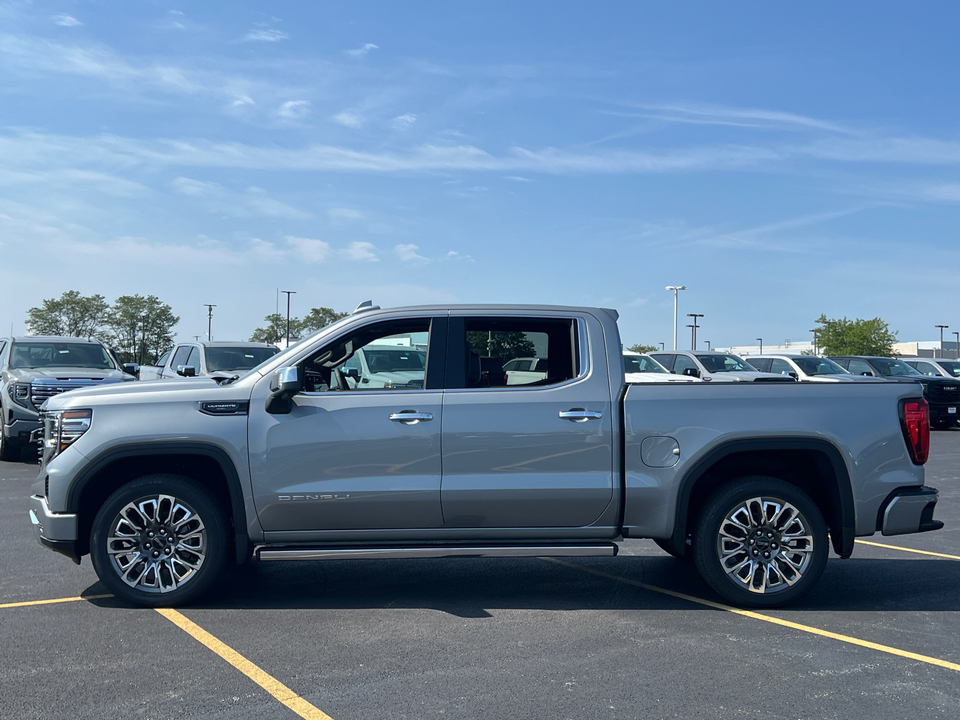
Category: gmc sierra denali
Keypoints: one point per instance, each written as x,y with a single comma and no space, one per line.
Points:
165,483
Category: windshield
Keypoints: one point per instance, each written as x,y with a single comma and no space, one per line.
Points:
642,363
890,367
394,360
818,366
724,363
228,359
59,354
951,366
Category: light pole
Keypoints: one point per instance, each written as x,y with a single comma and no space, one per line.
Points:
942,328
956,345
662,346
708,345
209,308
288,293
815,348
676,292
760,340
694,326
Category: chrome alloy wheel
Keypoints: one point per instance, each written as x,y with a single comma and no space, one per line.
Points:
765,545
157,543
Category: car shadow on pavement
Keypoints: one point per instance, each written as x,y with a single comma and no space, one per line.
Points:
472,587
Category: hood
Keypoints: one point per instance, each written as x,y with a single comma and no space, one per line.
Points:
202,388
68,373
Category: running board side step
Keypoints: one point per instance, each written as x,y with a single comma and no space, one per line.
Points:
266,554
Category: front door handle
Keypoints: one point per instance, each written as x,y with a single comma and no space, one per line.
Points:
580,415
411,417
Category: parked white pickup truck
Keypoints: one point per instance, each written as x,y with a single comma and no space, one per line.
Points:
643,368
219,360
165,483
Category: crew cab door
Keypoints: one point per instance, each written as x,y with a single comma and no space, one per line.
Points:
531,455
348,458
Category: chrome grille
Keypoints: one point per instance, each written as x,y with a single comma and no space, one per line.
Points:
44,389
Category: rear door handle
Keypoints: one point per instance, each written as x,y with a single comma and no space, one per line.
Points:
411,417
580,415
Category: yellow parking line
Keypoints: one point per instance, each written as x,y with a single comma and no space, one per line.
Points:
269,683
905,549
767,618
30,603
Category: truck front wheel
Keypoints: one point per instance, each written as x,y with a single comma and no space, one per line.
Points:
761,542
159,541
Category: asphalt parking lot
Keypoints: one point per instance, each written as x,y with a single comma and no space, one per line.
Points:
637,636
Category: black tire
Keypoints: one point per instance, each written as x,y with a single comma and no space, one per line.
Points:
667,547
9,452
768,554
183,556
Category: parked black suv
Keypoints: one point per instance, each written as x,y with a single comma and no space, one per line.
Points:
943,394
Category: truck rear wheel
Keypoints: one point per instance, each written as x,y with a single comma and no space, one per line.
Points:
761,542
159,541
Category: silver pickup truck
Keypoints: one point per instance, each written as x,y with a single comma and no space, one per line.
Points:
165,483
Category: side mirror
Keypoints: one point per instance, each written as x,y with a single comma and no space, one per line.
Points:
868,374
131,369
794,375
691,372
186,370
284,384
352,373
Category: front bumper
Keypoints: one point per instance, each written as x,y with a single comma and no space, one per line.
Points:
909,510
19,430
57,531
944,411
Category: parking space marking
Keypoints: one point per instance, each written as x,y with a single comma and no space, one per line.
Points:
269,683
906,549
770,619
30,603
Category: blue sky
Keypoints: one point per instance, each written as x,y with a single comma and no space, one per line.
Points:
781,162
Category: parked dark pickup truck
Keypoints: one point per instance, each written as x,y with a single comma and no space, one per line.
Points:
942,394
164,483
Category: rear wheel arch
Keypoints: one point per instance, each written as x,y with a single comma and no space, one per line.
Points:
207,465
813,465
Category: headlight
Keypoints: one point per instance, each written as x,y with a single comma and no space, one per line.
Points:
62,428
19,393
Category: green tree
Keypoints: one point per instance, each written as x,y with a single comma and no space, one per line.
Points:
141,328
643,348
855,337
319,318
70,315
275,331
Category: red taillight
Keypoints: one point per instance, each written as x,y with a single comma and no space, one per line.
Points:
915,419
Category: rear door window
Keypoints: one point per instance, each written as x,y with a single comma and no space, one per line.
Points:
491,352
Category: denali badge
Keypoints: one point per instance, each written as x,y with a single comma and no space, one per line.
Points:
336,496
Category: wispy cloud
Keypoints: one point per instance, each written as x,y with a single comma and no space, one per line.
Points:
294,109
361,252
737,117
65,21
344,214
308,249
265,35
93,61
408,254
362,50
403,122
253,202
348,119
